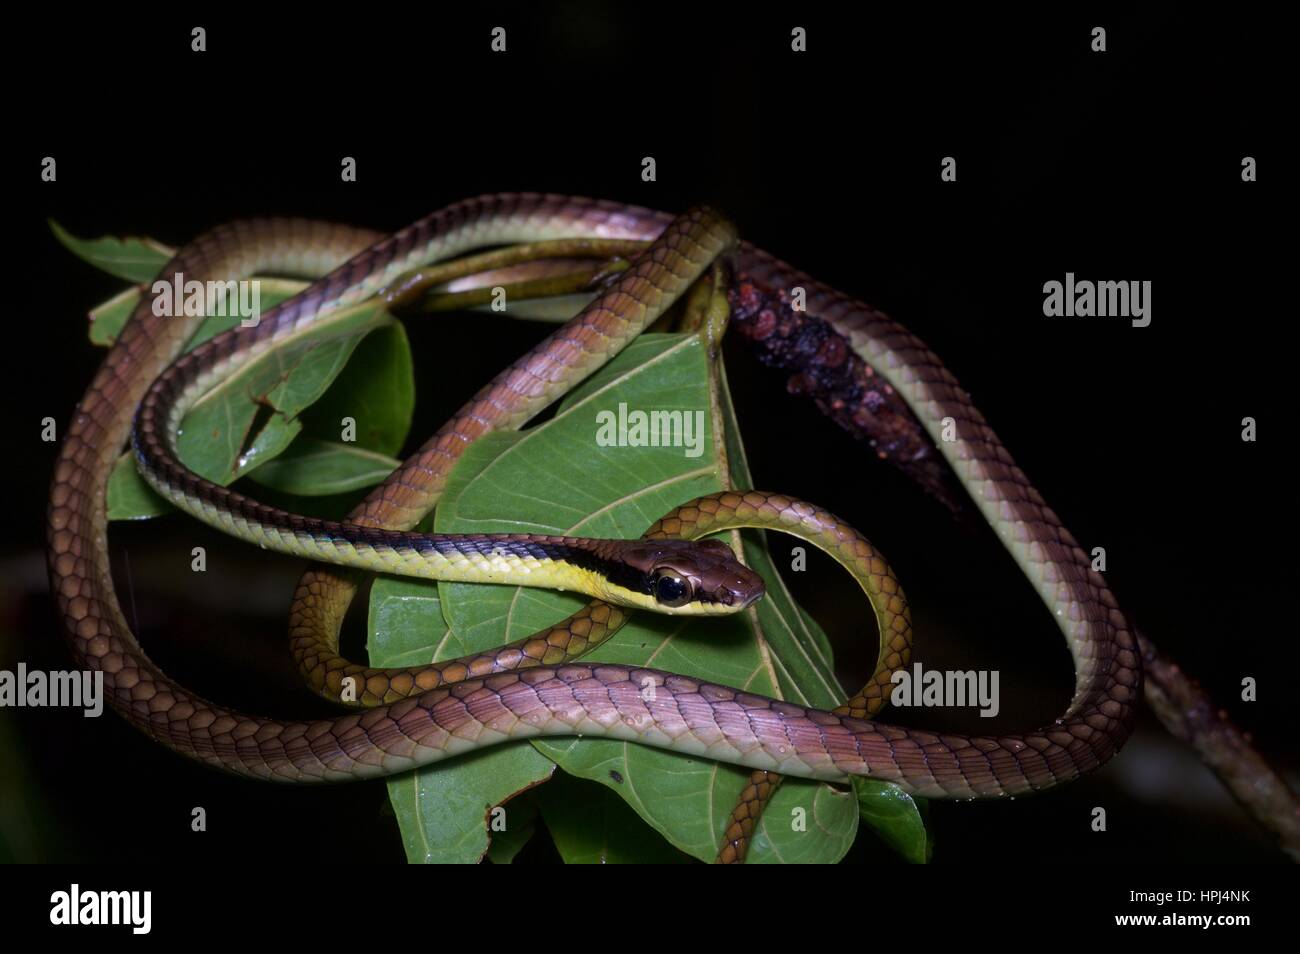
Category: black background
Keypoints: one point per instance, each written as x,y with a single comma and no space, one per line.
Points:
1123,165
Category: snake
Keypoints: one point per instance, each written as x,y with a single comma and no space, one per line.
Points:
145,378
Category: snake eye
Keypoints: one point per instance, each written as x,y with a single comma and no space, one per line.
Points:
671,589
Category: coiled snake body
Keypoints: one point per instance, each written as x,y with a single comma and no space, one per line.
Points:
441,711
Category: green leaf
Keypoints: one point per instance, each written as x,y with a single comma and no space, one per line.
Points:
520,825
590,825
217,439
557,309
444,815
885,807
442,811
555,479
253,415
376,389
802,658
107,319
136,260
251,423
312,468
895,816
129,497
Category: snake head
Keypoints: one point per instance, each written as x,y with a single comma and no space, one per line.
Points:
700,578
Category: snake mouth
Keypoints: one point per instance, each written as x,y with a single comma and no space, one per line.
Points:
741,595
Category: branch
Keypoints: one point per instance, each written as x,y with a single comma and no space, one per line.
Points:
1187,711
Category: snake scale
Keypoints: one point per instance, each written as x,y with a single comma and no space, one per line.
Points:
545,698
